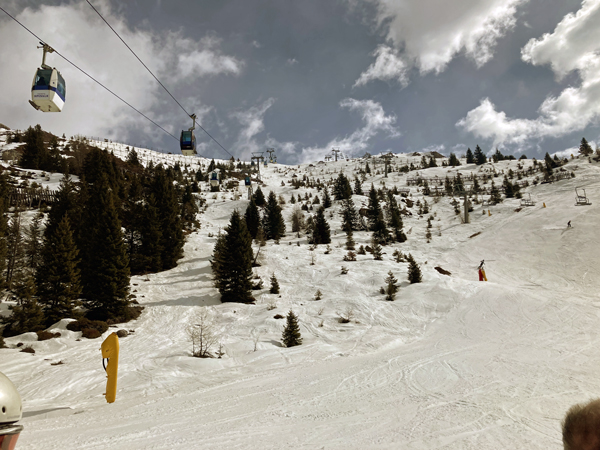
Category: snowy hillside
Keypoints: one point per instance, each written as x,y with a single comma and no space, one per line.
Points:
452,363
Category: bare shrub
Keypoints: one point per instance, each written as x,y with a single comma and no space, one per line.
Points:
347,315
202,333
271,305
256,335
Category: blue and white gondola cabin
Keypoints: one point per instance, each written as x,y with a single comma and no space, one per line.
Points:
48,90
187,143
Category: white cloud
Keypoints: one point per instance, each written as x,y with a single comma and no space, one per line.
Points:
574,45
253,123
87,41
428,34
387,66
375,122
206,61
291,61
434,148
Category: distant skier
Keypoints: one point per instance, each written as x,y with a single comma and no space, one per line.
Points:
569,224
481,271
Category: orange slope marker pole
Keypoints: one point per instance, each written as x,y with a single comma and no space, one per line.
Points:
110,350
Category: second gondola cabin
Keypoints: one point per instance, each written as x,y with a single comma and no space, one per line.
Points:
187,143
187,140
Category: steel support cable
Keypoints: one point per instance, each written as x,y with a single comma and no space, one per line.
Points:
157,80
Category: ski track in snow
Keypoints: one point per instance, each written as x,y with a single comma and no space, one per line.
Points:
453,363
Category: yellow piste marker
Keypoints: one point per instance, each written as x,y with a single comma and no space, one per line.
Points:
110,350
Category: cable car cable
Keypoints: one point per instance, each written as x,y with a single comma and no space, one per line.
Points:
91,77
158,81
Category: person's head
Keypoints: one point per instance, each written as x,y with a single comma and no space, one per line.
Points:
581,427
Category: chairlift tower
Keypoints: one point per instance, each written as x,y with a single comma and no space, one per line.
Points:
386,159
335,151
465,194
327,158
258,157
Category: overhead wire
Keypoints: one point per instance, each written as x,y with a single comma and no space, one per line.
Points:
89,76
157,80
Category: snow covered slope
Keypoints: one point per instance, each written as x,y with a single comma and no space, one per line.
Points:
453,363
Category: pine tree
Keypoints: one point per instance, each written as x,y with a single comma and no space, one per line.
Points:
395,219
58,278
35,155
151,242
376,249
391,286
232,262
414,271
274,285
273,223
33,242
105,267
259,198
132,222
291,333
132,158
350,244
252,217
189,208
349,216
373,208
68,203
211,166
498,156
458,187
479,156
172,238
453,161
495,196
508,188
26,317
470,158
321,233
448,186
358,187
584,148
326,198
341,188
15,260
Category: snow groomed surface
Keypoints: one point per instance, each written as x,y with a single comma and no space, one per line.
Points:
453,363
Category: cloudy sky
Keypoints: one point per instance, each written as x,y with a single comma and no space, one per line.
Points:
306,76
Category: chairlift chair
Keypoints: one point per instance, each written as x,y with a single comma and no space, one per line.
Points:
581,199
527,201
